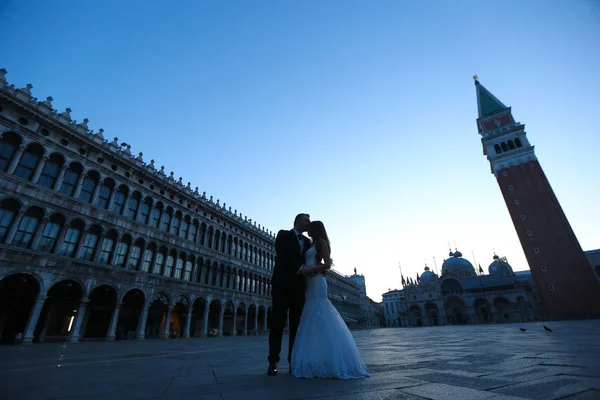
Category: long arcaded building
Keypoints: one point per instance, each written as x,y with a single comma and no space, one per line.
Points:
97,243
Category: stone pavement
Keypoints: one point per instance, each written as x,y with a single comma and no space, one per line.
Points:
451,362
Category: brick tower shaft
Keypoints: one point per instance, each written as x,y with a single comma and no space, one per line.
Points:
565,282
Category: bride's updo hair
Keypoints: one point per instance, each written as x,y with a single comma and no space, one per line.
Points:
316,230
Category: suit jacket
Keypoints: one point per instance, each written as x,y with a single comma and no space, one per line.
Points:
288,260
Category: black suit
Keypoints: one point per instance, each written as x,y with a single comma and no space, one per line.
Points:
287,290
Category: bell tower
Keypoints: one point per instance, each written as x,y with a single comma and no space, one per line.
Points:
564,280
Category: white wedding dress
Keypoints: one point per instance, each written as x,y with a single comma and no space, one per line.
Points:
324,346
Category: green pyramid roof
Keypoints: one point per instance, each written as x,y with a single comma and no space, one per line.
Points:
487,103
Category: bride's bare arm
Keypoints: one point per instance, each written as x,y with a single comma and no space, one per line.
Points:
321,267
326,254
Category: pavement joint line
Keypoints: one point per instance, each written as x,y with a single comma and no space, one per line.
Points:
171,381
113,360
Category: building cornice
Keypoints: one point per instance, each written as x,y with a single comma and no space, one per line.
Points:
45,115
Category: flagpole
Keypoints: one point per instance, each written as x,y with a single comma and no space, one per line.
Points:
405,299
475,261
400,267
487,306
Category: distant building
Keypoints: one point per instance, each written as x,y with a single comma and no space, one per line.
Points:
392,306
461,296
594,258
346,296
370,309
375,318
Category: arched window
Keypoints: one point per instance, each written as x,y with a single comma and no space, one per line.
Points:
217,239
211,233
122,249
134,202
148,254
135,254
155,215
168,270
187,275
193,235
51,170
518,142
183,230
166,219
145,210
70,180
9,142
50,233
108,243
159,262
215,274
202,234
119,201
104,193
69,243
497,149
179,266
175,224
88,186
228,280
89,243
8,209
223,242
27,227
199,270
236,280
504,146
511,145
29,161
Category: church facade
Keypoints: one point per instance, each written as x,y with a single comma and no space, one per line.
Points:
461,296
566,283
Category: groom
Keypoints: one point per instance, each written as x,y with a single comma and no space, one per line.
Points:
287,287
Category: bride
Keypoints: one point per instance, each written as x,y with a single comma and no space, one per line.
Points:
324,347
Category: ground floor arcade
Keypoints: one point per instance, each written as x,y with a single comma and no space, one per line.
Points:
66,310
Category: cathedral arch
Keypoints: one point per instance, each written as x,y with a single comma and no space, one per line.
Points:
456,310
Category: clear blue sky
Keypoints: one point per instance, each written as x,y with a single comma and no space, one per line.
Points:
359,113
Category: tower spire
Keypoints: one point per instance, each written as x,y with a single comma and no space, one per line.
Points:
487,103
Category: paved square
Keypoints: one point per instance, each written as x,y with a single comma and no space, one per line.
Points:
450,362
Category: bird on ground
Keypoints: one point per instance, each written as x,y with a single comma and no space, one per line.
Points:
547,329
522,329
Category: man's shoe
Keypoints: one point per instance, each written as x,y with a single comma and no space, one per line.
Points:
272,371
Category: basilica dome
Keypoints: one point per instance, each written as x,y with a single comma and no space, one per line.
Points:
427,276
456,265
500,267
